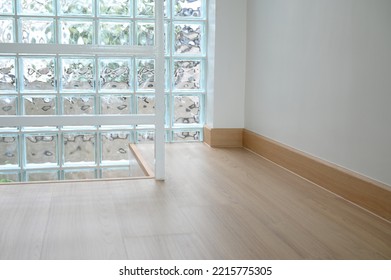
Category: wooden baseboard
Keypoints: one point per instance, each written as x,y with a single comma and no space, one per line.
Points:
223,137
367,193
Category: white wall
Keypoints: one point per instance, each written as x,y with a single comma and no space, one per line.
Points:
226,81
319,79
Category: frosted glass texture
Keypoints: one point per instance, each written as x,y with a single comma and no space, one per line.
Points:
145,34
115,104
115,7
115,74
8,105
38,31
115,146
7,74
76,7
146,8
78,74
41,176
36,105
80,174
8,150
7,31
9,177
78,105
79,148
115,33
39,74
188,8
77,32
34,7
145,74
145,137
41,149
6,6
145,105
188,38
186,109
187,75
186,136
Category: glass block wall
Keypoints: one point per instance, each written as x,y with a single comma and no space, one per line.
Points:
64,84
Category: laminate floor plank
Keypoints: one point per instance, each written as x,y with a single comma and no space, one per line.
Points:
167,247
83,225
214,204
335,222
24,215
150,218
228,235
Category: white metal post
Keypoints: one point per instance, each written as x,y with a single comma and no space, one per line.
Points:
160,104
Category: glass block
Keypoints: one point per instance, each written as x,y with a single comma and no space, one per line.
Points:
115,146
39,74
7,74
6,7
80,174
35,31
145,33
8,149
146,8
188,38
34,7
115,74
41,149
8,105
186,136
78,105
77,32
9,177
39,105
186,109
115,7
114,33
115,104
145,104
145,74
76,7
7,33
112,173
145,137
187,74
188,8
79,148
41,176
78,74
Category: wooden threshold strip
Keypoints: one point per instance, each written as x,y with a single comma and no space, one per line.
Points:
362,191
141,161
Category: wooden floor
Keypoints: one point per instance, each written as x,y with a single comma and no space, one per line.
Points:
215,204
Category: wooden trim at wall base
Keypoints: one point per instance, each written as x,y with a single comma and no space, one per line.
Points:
223,137
366,193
